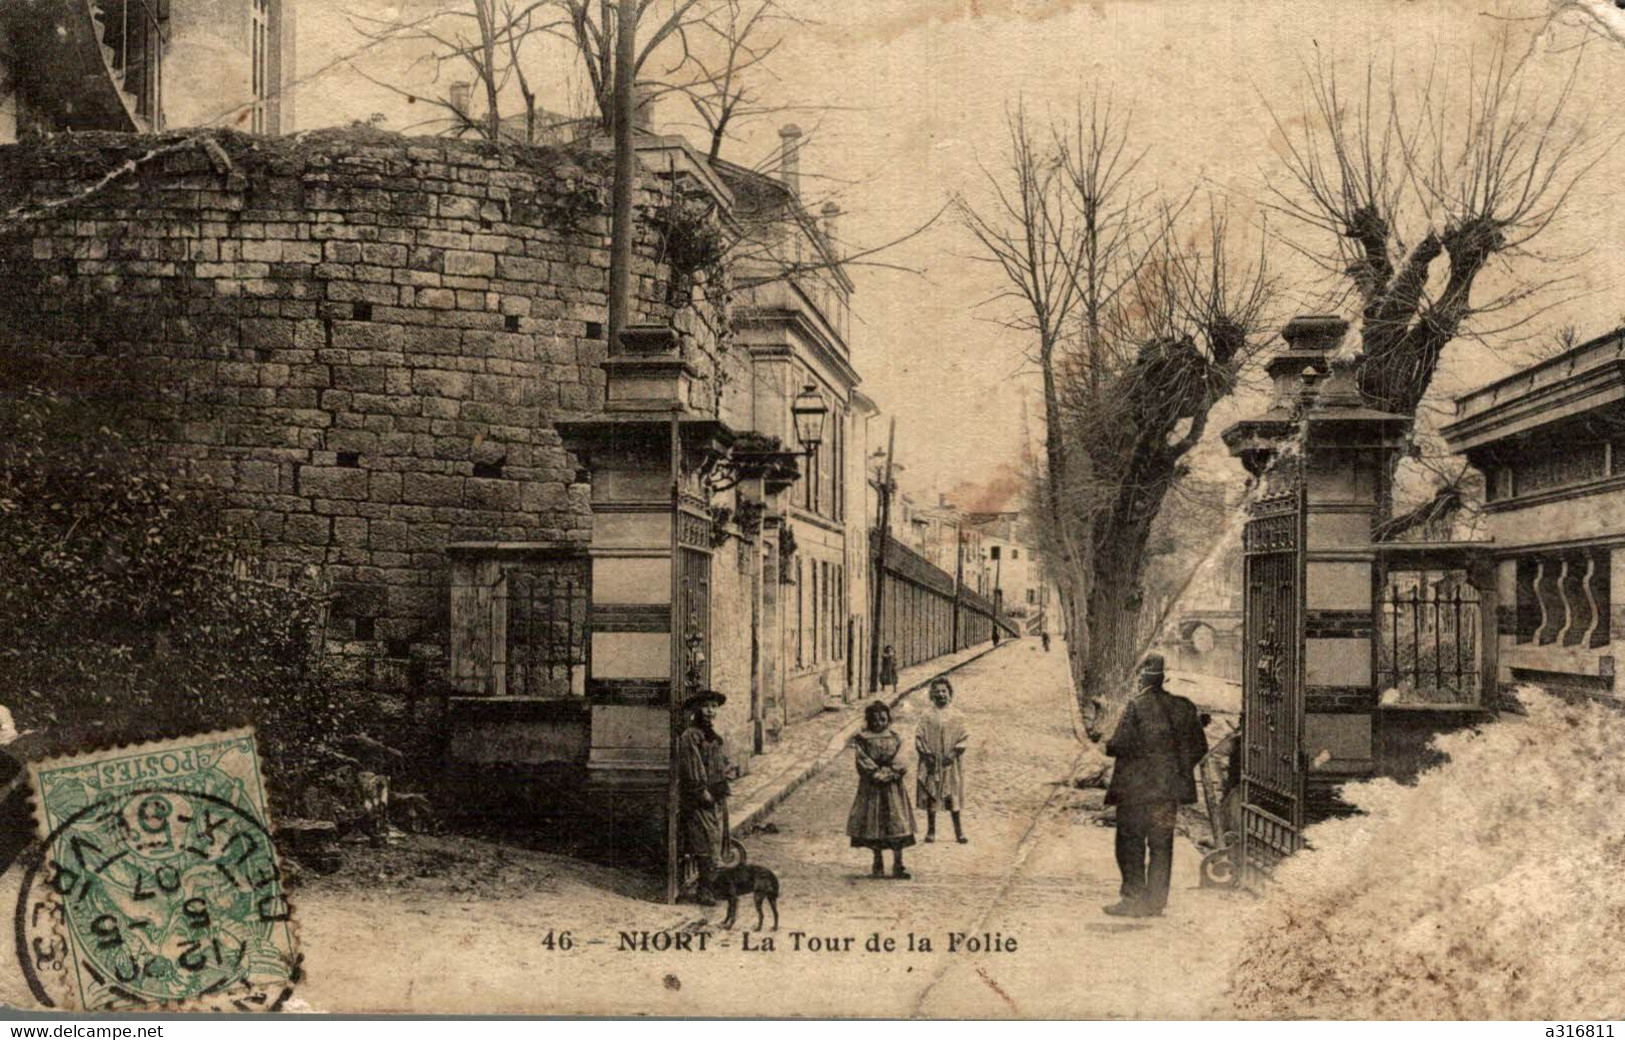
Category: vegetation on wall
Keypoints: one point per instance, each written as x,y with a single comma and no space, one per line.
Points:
126,601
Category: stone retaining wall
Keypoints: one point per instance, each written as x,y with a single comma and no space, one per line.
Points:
362,340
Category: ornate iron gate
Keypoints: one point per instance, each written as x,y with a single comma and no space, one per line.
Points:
1272,773
693,627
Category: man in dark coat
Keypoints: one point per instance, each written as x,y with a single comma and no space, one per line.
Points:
1158,743
702,785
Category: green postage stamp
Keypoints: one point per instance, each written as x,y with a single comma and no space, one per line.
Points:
157,885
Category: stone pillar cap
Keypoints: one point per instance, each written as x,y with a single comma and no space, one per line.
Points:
1314,332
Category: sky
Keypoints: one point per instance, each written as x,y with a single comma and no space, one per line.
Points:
905,103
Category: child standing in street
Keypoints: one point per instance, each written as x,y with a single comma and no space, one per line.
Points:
881,817
940,742
888,669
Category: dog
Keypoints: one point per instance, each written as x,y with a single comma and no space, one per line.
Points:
747,879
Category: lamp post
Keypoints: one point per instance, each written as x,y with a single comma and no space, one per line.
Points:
808,409
877,570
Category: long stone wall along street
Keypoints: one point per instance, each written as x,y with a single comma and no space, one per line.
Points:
918,606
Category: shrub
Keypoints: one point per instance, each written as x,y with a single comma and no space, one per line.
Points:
1488,890
129,609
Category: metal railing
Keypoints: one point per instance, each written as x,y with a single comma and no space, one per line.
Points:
1429,639
547,638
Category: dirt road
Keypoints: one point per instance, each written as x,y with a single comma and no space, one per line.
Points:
1012,919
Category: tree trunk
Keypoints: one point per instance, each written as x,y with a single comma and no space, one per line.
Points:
1114,613
621,230
1068,570
493,113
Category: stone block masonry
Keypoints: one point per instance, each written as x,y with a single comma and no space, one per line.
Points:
361,340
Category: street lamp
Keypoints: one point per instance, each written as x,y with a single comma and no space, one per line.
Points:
808,410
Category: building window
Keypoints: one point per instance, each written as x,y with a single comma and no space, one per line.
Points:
840,464
823,473
840,608
259,31
1014,554
819,585
1032,597
826,616
834,464
132,39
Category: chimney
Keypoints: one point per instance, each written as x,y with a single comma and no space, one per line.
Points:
790,158
643,107
460,92
830,212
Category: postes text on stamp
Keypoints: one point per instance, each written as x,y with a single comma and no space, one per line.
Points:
157,884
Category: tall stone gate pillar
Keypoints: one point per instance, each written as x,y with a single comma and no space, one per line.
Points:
1341,451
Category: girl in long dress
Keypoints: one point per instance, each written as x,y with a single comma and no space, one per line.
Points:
881,816
940,742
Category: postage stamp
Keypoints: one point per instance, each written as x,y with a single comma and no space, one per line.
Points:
157,884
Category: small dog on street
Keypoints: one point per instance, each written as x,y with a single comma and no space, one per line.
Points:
747,879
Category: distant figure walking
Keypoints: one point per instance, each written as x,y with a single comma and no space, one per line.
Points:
940,741
888,669
881,817
1044,635
995,634
1158,743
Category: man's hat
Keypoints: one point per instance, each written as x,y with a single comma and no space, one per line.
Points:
1152,664
704,697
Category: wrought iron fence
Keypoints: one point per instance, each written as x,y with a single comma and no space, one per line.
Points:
1429,639
547,637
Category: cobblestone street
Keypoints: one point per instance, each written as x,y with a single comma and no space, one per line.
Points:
1035,874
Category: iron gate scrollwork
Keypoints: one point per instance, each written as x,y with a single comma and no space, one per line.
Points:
1272,774
692,618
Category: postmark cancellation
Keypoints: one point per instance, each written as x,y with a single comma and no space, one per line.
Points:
157,884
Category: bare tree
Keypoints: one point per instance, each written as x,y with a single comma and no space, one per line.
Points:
1410,193
1071,235
659,25
480,39
1172,345
722,89
1028,234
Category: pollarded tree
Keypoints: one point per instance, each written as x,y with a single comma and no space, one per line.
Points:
1173,344
1137,327
1411,190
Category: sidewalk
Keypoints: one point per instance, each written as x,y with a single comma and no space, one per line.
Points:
810,745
